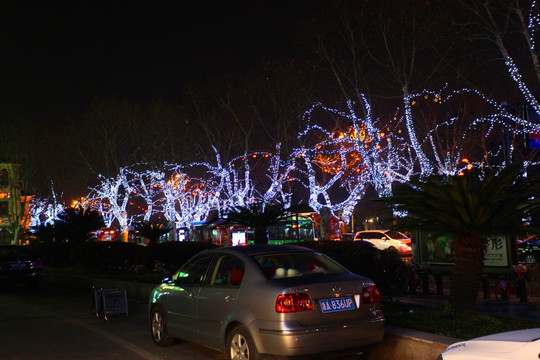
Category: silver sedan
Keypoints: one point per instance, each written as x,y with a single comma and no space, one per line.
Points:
266,299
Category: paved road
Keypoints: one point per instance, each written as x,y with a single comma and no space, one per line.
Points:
50,323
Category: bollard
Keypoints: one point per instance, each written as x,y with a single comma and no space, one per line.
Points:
521,289
485,287
425,283
439,284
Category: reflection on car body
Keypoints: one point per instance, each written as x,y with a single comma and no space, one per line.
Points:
266,299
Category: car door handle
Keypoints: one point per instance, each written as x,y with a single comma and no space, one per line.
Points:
192,296
229,298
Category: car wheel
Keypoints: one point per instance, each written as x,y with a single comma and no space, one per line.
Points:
240,345
158,326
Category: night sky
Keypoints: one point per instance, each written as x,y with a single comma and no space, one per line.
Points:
56,55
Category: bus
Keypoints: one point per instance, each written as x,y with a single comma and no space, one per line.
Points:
291,229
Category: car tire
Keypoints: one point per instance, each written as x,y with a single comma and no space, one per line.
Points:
240,345
158,327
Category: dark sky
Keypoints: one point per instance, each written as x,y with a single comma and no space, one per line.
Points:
57,54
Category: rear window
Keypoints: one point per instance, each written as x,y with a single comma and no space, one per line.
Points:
396,235
294,264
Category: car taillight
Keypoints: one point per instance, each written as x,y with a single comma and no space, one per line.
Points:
370,295
286,303
405,248
39,264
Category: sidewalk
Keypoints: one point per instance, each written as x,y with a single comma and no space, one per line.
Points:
529,310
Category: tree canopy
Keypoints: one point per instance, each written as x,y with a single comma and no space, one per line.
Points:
470,208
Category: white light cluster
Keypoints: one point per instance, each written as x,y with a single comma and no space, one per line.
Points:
356,151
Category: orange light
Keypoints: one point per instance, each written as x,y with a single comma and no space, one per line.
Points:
465,160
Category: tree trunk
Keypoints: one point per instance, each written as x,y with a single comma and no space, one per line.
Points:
469,253
261,236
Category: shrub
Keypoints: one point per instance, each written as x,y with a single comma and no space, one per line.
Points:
383,267
56,254
169,256
107,255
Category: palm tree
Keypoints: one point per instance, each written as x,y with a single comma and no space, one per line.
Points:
259,216
153,230
75,224
470,209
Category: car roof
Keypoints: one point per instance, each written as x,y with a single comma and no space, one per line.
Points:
257,249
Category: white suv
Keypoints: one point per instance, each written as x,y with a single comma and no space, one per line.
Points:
386,239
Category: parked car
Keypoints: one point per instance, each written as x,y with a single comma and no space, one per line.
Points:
19,264
280,300
512,345
386,239
529,251
347,237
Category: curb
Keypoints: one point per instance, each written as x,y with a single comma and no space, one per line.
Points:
406,344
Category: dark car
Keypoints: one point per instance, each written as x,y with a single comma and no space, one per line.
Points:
266,299
18,264
529,251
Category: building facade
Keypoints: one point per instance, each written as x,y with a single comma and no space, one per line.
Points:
13,204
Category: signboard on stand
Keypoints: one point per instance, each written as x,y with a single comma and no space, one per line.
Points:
440,250
107,302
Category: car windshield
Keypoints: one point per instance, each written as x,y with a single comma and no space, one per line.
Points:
294,264
396,235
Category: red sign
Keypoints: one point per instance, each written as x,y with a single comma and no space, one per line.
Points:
534,140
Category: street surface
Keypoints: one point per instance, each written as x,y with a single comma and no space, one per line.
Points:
56,323
51,323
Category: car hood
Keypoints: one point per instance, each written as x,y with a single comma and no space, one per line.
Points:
500,343
523,336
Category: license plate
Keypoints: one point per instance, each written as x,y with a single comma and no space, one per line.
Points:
337,304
